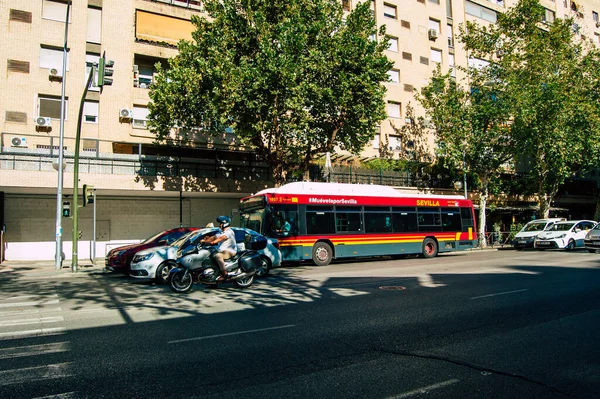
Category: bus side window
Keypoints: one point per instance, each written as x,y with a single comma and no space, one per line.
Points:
466,215
404,222
451,220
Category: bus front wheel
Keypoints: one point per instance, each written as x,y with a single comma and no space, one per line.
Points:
430,248
322,254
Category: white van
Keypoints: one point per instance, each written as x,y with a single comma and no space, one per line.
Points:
526,236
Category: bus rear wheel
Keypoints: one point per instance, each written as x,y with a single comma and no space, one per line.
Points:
322,254
430,248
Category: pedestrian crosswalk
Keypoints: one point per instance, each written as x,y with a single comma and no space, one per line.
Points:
32,331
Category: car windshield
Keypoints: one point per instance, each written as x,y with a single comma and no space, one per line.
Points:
154,237
561,227
534,226
178,242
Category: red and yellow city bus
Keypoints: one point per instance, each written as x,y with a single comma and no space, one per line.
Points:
323,221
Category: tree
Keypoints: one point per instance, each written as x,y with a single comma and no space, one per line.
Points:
471,130
292,78
550,78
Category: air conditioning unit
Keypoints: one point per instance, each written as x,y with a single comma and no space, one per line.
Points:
55,73
125,113
17,141
432,33
42,121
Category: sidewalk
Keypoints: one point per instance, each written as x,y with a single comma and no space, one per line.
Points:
47,268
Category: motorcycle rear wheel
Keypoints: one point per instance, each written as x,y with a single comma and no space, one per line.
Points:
244,282
181,282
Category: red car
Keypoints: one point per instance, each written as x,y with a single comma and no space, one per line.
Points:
118,259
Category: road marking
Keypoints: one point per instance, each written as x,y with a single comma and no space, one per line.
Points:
53,319
21,297
49,372
29,311
66,395
500,293
230,334
33,350
23,304
424,390
32,333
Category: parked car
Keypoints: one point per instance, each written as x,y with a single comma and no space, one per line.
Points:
525,237
567,235
592,239
118,259
155,263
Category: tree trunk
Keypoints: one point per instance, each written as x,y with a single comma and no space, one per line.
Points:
545,201
597,213
483,196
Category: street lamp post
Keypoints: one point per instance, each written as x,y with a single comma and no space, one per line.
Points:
60,168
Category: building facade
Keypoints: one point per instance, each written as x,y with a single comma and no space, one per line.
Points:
137,184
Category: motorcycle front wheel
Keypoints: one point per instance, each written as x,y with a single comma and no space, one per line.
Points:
181,282
244,282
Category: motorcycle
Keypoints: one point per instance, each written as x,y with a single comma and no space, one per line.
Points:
196,265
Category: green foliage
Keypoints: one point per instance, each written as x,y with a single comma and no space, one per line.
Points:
514,228
292,78
550,79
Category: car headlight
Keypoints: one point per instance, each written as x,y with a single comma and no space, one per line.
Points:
141,258
561,236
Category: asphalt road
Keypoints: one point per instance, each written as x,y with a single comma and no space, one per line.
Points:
488,324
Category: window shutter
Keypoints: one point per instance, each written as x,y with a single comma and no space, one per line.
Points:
15,116
18,66
21,16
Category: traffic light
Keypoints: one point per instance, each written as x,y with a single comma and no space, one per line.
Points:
105,69
88,194
66,209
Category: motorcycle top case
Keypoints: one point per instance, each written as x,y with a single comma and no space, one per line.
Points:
250,261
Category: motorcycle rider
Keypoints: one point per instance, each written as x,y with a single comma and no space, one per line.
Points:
227,245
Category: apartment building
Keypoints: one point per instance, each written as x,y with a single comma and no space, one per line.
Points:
137,184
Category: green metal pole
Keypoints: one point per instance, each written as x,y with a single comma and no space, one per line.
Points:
75,206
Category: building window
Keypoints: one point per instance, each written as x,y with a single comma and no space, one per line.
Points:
434,24
52,58
56,10
393,44
390,11
477,63
90,60
140,116
394,143
595,16
346,4
394,75
94,25
435,1
450,32
480,12
393,109
548,16
49,106
436,55
451,65
144,70
90,112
